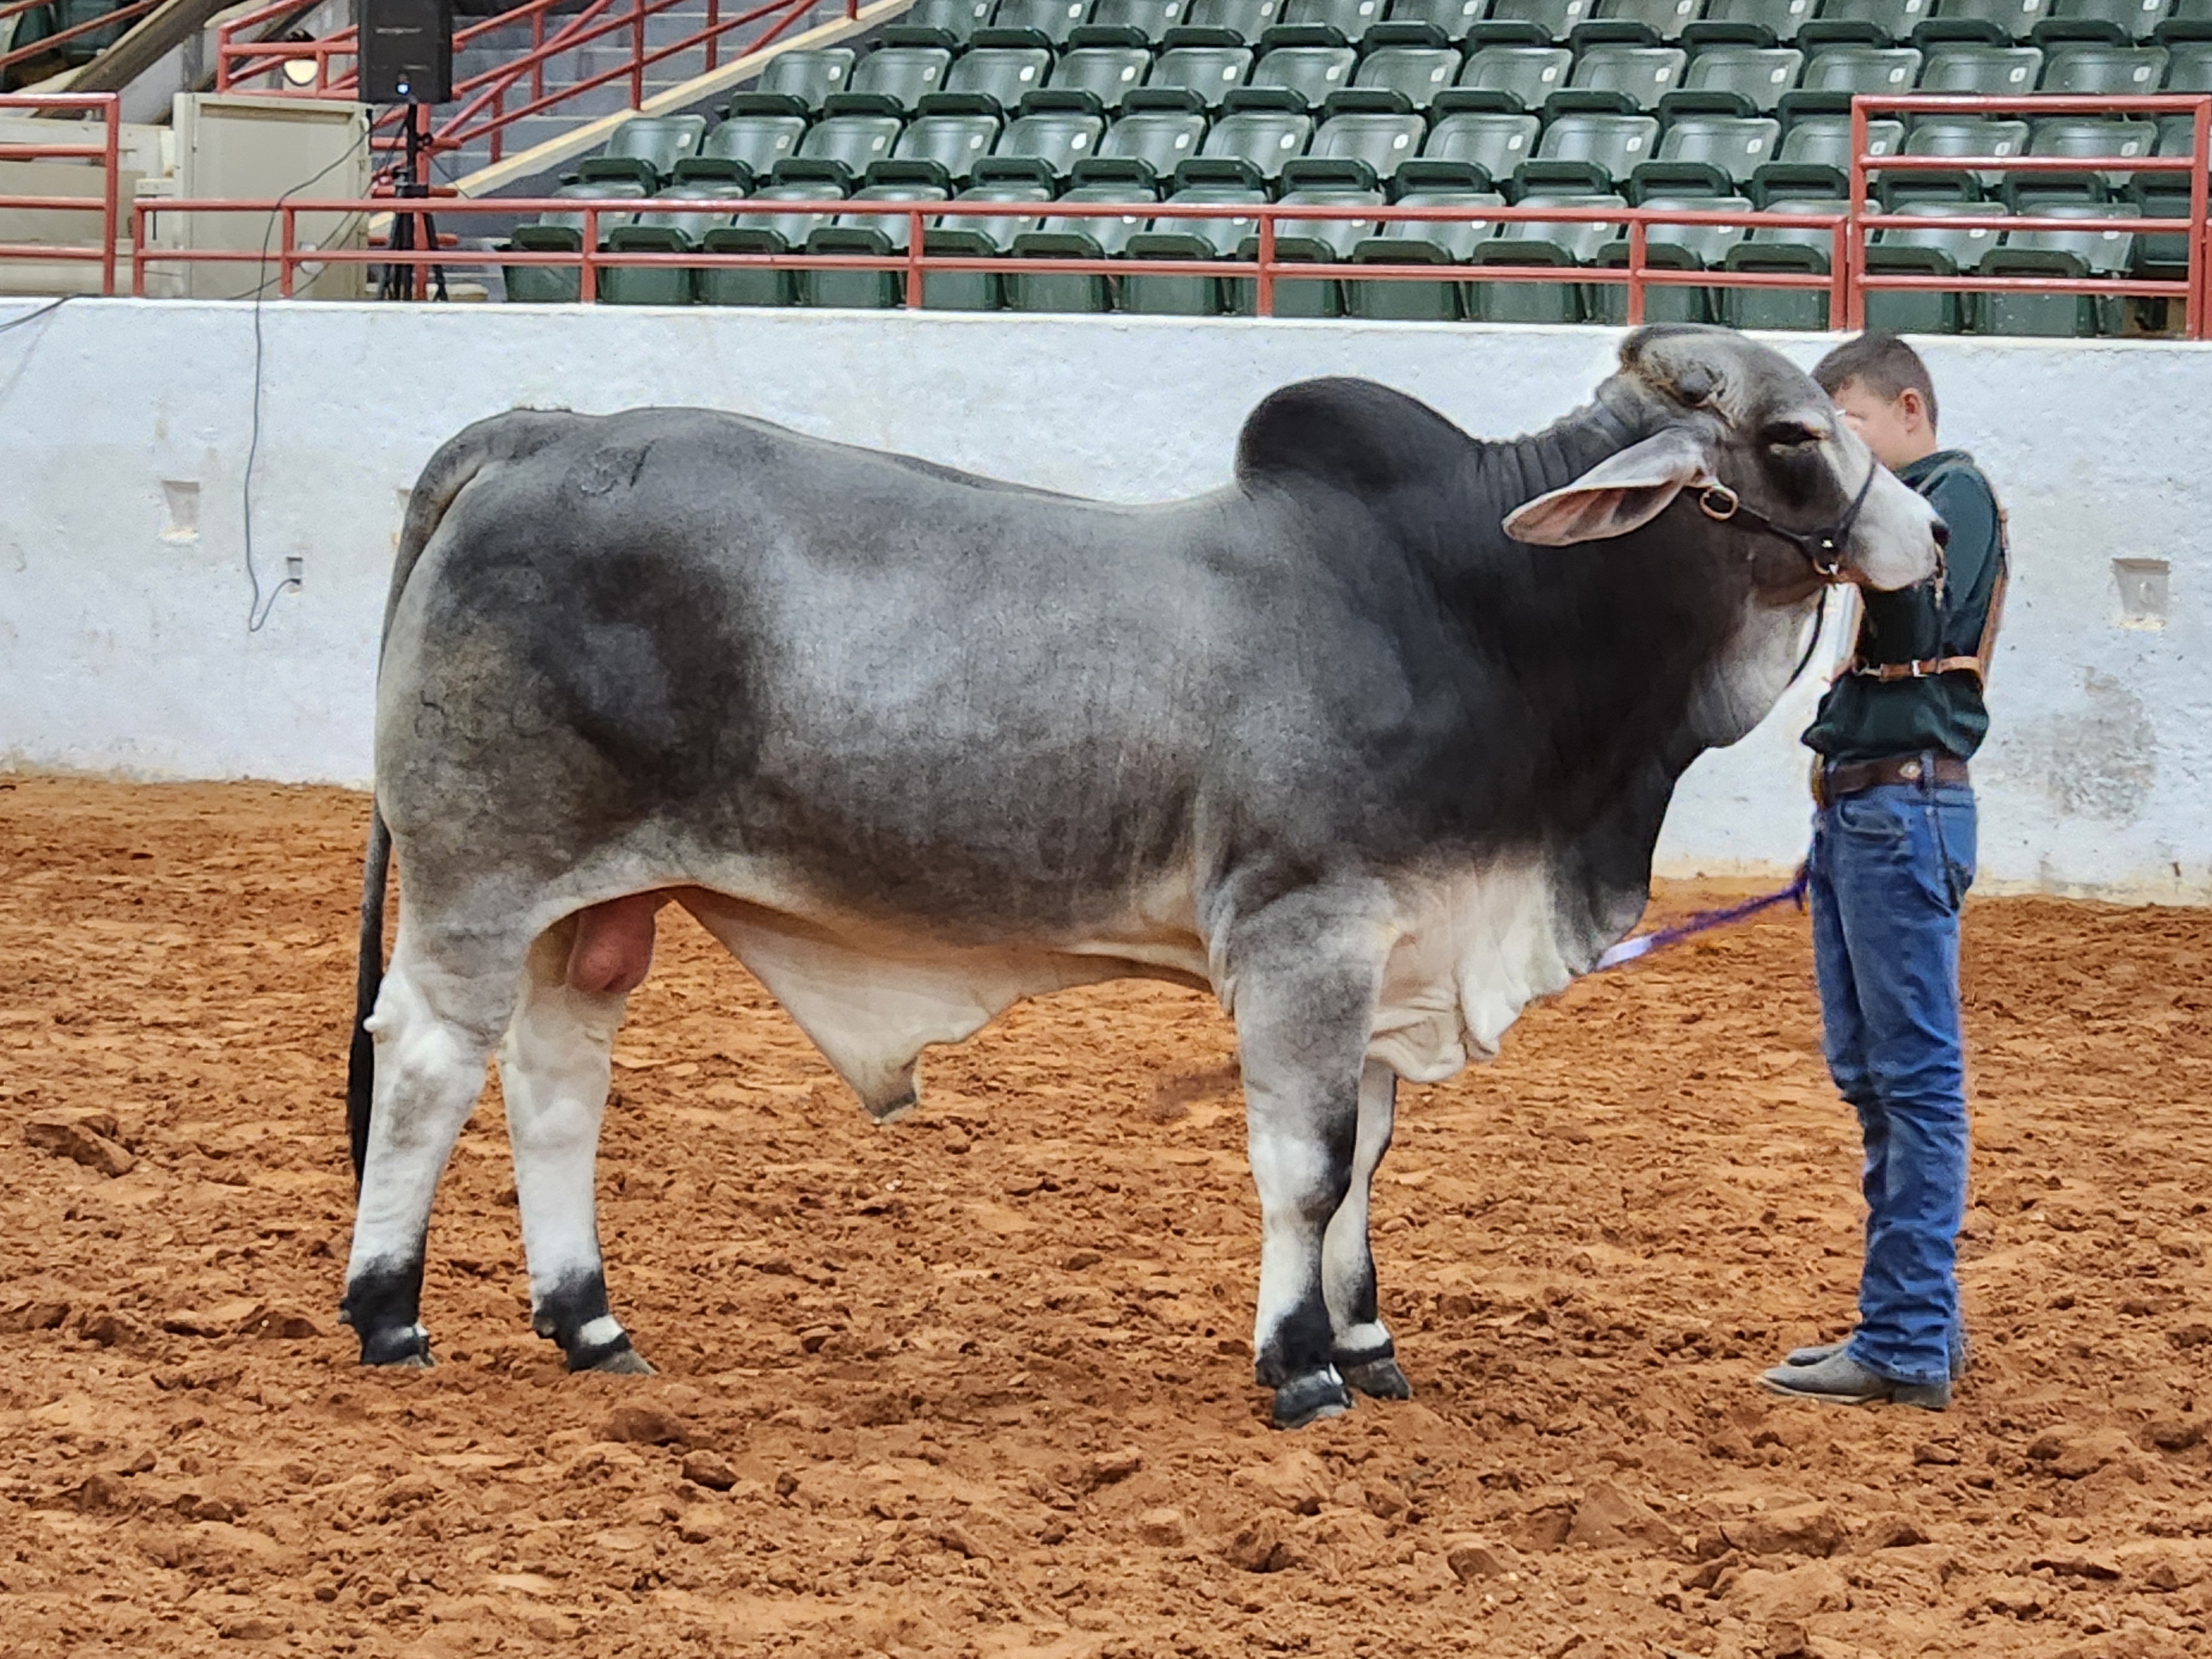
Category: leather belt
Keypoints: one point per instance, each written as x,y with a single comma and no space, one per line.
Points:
1832,783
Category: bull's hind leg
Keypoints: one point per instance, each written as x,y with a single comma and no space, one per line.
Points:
553,1074
1364,1354
444,999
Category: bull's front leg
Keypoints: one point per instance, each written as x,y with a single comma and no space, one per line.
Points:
1304,1003
1362,1352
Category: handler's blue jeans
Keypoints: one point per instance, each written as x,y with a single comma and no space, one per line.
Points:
1889,868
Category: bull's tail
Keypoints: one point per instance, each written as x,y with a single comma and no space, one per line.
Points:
504,437
368,980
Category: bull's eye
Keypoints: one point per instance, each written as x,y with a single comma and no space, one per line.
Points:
1791,434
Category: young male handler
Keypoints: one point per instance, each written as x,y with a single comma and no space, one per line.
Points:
1893,856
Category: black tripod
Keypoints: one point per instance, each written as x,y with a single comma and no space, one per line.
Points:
413,182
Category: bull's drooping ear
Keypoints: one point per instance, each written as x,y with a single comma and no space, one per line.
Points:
1618,495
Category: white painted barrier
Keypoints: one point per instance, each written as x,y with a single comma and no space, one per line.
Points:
124,429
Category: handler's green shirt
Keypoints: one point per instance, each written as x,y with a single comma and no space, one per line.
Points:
1863,719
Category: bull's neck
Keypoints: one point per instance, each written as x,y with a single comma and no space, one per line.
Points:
1601,649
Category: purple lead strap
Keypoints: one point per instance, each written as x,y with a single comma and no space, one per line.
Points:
1644,943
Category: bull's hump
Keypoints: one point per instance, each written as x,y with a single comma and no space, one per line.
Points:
1350,434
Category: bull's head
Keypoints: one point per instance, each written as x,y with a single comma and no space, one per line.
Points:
1763,453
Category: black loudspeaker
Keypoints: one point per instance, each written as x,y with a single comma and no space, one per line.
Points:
406,51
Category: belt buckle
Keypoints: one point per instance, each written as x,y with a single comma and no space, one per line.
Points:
1909,771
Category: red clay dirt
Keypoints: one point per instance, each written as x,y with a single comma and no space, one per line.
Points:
978,1384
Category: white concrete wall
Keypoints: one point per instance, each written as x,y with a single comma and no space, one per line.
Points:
122,638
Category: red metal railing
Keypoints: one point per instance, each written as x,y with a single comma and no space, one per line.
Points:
1265,268
2194,291
106,152
482,111
129,14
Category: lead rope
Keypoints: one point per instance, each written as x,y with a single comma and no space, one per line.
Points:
1629,950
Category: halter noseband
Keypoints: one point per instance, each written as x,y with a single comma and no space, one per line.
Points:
1822,549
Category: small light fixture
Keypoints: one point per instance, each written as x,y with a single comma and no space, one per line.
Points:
300,71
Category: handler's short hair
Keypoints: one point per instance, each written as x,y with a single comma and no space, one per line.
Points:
1883,364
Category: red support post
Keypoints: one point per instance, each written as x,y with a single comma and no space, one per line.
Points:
914,260
1263,286
587,284
2194,321
1638,237
138,217
714,34
637,54
284,252
110,194
1850,302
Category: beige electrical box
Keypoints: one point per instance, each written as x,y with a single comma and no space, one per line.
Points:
232,147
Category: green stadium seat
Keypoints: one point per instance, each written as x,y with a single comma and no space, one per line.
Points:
1311,72
1532,244
1758,75
1112,234
1150,18
1188,239
1525,78
1930,249
2013,19
1248,147
2189,66
1735,146
1043,143
1671,247
1248,20
1893,20
1665,19
1417,74
1817,150
841,149
1434,242
953,143
2050,315
1350,18
1005,75
648,285
1774,307
1375,143
2127,20
1783,18
1145,145
1212,72
1052,19
563,233
2098,71
1849,70
1108,73
760,232
958,19
646,148
1591,151
1643,75
1557,19
2186,20
1054,290
2164,255
905,75
2094,140
743,147
1316,241
1453,17
1957,135
1981,70
1495,144
806,77
869,234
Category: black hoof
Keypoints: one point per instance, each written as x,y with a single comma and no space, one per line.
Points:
1308,1399
408,1346
1378,1378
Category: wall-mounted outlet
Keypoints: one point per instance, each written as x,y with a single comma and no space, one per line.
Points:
295,568
2145,591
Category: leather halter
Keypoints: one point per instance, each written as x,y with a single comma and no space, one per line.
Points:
1822,549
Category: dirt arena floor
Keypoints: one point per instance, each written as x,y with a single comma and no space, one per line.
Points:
978,1384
